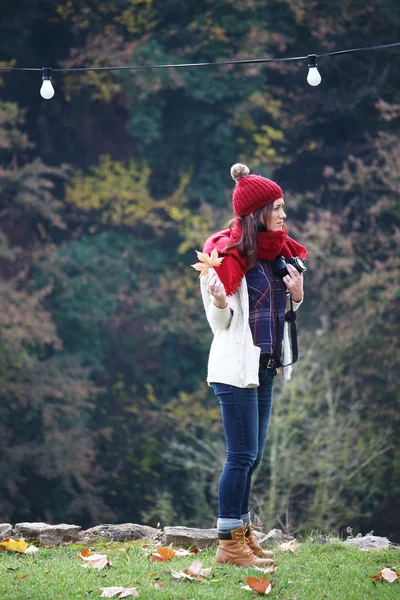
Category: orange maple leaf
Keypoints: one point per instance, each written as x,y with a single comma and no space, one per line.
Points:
207,261
262,586
163,554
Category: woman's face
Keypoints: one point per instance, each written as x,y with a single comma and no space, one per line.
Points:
276,216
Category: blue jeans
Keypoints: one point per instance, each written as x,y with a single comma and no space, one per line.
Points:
246,414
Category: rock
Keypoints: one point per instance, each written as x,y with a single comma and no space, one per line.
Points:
5,531
125,532
369,542
320,539
187,536
273,537
47,535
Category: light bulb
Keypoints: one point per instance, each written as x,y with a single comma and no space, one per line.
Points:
47,90
313,77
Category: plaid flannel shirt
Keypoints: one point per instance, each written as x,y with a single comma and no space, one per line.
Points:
267,295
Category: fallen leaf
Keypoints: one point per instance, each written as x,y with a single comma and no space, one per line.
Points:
94,561
159,584
180,575
289,546
388,574
262,586
123,592
195,568
129,592
187,552
195,571
270,569
207,261
182,552
15,545
163,554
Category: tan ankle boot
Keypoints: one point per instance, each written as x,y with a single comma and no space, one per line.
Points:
236,550
255,546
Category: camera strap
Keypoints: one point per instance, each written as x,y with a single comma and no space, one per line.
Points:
290,317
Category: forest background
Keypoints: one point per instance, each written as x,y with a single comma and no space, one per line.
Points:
105,193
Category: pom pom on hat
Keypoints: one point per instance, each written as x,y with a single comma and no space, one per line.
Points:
252,191
238,170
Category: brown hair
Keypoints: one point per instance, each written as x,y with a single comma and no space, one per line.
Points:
251,225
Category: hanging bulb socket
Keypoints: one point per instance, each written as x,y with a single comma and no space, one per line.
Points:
47,90
313,77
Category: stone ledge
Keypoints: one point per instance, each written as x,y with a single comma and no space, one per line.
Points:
5,531
369,542
178,536
47,535
125,532
274,537
188,536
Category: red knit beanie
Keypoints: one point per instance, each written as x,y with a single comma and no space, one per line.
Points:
252,191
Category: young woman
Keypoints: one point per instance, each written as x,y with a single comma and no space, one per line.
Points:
245,303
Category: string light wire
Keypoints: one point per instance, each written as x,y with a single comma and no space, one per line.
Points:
313,77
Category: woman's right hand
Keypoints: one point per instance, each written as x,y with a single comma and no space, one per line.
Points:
217,291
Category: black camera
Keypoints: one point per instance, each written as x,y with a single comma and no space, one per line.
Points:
279,265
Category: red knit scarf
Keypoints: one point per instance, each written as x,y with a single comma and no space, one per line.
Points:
234,266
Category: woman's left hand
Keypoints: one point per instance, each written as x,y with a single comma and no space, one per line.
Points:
294,283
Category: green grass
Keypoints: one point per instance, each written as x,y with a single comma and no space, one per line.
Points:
331,571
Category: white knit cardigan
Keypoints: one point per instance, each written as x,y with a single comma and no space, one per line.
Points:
233,358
